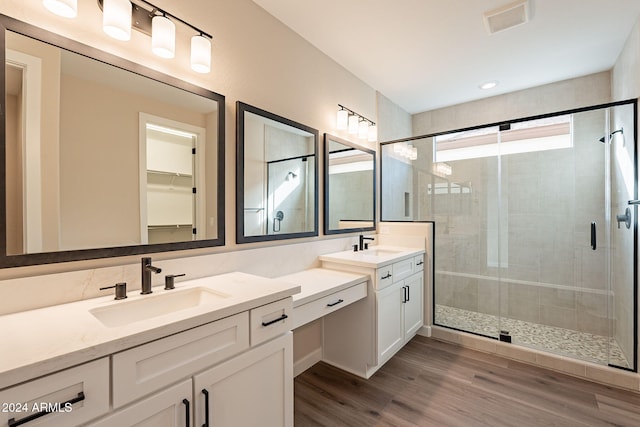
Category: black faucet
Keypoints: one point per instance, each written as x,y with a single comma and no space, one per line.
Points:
361,241
147,268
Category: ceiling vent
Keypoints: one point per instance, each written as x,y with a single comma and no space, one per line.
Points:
507,16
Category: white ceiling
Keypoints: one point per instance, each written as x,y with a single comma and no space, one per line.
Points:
426,54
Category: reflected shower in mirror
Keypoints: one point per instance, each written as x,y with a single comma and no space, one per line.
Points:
277,177
103,161
349,185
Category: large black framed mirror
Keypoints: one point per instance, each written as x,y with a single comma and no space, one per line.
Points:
103,157
349,187
276,177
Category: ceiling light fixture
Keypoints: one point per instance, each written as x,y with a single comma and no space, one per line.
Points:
120,16
64,8
488,85
356,124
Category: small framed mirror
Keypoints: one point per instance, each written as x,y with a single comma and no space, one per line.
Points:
349,187
276,177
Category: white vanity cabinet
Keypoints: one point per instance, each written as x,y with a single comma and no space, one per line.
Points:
253,389
361,339
234,371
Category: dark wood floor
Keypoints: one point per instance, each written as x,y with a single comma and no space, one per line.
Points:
433,383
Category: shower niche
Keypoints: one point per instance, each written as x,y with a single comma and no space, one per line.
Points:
527,238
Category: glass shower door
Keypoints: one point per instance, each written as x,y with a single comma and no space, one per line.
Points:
464,200
565,267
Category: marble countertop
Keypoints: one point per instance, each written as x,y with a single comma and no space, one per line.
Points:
374,257
42,341
317,283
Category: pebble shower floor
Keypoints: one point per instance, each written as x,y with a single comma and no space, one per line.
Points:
566,342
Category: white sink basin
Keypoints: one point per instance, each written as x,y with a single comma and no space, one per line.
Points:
145,307
379,252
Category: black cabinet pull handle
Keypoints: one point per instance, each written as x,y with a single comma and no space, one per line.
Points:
420,263
335,303
13,423
387,276
206,407
404,294
593,236
284,316
408,294
187,409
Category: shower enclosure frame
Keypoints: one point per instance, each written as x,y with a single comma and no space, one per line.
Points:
501,125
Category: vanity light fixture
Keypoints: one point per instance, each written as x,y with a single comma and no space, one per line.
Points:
64,8
356,124
120,16
363,129
116,19
342,119
163,37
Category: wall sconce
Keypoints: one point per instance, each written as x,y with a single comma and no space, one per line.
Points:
120,16
354,123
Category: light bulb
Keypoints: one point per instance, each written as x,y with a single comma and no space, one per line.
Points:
200,54
342,119
116,19
163,37
64,8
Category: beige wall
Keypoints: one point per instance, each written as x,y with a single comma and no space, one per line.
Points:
565,95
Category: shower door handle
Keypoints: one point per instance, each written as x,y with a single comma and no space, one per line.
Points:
593,236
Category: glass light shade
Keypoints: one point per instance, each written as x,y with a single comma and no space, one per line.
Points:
64,8
342,120
116,19
163,37
200,54
363,129
353,124
373,133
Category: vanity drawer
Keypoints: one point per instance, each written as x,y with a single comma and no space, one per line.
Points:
271,320
75,396
315,309
385,276
403,269
418,261
149,367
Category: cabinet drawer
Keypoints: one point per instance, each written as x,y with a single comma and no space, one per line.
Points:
385,276
418,261
271,320
402,269
74,396
155,365
323,306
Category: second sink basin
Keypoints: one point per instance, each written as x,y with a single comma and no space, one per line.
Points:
122,313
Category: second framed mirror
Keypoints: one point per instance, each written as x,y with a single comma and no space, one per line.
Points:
349,187
276,177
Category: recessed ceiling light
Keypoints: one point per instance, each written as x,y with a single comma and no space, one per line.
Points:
489,85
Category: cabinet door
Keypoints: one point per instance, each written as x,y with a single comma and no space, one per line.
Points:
252,389
413,307
169,408
390,328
